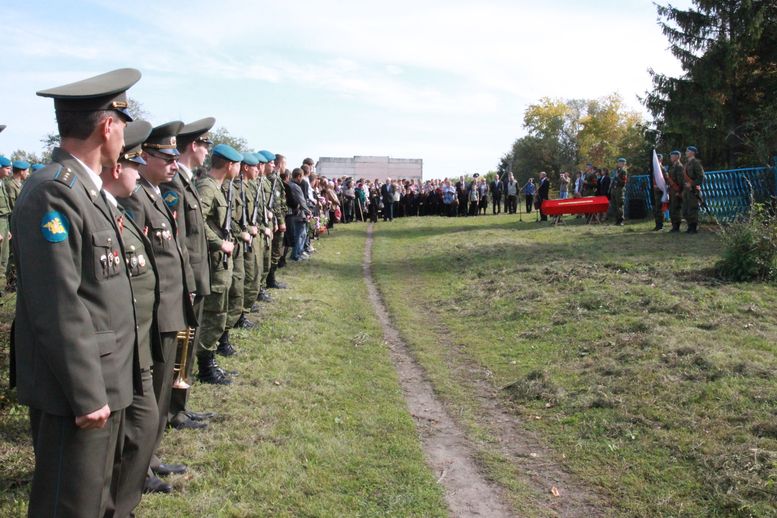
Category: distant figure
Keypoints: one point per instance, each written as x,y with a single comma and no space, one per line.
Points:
528,191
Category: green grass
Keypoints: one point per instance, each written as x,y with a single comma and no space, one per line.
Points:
650,379
315,425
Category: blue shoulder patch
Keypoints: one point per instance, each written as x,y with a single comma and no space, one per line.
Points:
54,226
171,199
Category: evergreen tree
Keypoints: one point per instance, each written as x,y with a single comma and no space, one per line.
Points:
724,103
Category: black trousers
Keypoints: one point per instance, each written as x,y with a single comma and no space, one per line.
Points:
497,205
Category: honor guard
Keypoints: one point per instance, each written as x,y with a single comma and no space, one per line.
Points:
675,181
74,343
692,182
142,416
5,217
174,314
250,221
276,202
225,165
181,197
618,190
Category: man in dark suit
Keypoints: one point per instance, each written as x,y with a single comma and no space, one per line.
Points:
149,212
387,191
543,192
300,215
496,196
74,342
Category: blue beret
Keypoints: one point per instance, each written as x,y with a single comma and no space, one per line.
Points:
21,164
621,160
692,149
269,156
261,158
37,167
250,159
4,162
227,152
675,153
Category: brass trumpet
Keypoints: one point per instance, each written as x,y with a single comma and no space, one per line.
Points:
184,339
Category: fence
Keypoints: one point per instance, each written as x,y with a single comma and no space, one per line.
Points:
727,193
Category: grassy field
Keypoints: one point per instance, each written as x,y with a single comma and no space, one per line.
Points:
653,381
315,424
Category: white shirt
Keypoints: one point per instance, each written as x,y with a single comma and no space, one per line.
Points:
98,182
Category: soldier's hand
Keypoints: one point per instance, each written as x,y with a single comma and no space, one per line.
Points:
245,236
253,230
1,238
93,420
268,233
282,227
227,247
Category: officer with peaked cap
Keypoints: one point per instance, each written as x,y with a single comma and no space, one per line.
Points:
74,358
181,197
142,416
225,165
5,217
174,314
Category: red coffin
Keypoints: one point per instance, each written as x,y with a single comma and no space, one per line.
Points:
591,205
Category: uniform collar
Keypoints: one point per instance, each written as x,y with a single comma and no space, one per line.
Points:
98,182
111,199
186,171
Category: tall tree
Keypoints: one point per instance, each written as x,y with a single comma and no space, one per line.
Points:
724,102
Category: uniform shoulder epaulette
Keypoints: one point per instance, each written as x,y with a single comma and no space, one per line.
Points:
65,176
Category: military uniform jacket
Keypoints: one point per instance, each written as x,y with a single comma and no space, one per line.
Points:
150,214
620,180
276,201
214,209
12,188
695,173
74,338
182,198
677,176
5,205
139,257
237,209
265,184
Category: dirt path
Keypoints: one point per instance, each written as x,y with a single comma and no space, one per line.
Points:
447,450
451,455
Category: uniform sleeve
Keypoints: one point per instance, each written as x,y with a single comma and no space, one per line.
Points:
50,273
207,196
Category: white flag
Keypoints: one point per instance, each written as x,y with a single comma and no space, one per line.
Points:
658,177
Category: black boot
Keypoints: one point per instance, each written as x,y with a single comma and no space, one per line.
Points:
282,261
675,228
225,348
272,283
692,228
255,307
264,296
659,226
209,370
244,323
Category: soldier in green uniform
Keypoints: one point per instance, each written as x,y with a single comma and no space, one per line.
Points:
658,196
225,165
13,186
675,181
254,251
5,216
277,204
142,416
269,223
618,190
175,313
692,182
589,181
181,197
75,342
241,238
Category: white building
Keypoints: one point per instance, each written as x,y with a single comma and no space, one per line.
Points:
371,167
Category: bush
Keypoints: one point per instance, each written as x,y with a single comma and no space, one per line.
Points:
750,247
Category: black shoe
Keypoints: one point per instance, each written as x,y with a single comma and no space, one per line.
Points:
225,348
244,323
282,262
210,371
675,229
264,296
188,424
200,416
164,470
156,485
272,283
658,227
255,307
692,229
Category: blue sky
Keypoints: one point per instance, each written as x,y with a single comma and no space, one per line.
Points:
445,81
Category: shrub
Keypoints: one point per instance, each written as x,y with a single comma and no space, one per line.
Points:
750,252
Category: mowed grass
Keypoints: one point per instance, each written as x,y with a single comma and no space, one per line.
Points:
650,379
315,424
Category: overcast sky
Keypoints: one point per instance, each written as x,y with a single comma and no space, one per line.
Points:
445,81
